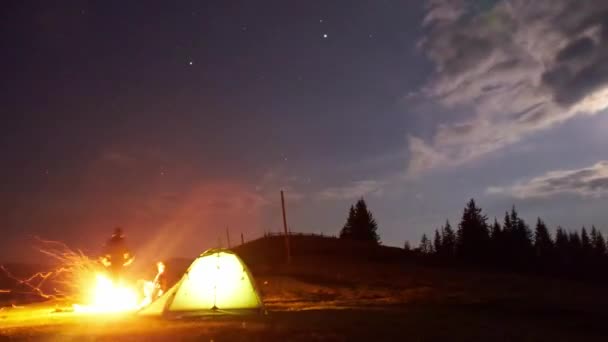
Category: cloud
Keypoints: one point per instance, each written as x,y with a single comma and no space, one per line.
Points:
352,190
587,182
517,66
272,181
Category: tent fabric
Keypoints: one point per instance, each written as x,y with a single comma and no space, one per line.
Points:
216,282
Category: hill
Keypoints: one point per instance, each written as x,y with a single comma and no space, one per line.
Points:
346,291
271,250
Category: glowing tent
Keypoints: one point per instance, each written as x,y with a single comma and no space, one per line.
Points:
217,282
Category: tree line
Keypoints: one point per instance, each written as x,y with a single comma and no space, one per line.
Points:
513,245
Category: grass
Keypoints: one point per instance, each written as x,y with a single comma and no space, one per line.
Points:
334,299
416,322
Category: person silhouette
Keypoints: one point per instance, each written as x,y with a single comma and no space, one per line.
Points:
116,255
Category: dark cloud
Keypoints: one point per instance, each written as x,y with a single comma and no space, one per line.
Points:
518,66
472,51
573,87
577,49
591,181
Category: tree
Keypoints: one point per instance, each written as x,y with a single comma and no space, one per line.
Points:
561,245
497,243
586,247
575,250
574,241
585,241
437,243
518,240
543,244
473,235
598,242
448,240
507,225
495,231
347,230
360,224
522,235
425,245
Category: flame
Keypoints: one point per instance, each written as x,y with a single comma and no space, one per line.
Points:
108,297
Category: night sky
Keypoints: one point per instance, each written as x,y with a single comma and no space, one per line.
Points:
178,119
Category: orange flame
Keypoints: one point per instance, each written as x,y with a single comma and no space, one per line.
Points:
110,297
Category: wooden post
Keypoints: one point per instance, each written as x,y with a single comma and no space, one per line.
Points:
228,236
287,248
242,239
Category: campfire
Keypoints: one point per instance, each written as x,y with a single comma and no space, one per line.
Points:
110,297
79,279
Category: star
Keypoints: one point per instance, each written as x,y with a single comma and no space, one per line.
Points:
325,35
190,63
321,21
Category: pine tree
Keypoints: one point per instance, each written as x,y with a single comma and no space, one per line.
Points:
437,243
497,243
518,240
507,225
496,231
448,238
473,235
543,244
360,224
575,250
575,241
425,245
521,232
507,236
586,247
597,257
598,242
585,241
562,246
347,230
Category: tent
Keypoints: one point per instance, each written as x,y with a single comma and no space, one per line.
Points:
216,282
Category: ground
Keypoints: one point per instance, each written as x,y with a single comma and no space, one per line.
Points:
318,298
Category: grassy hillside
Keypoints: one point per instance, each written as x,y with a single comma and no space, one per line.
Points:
271,250
340,290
